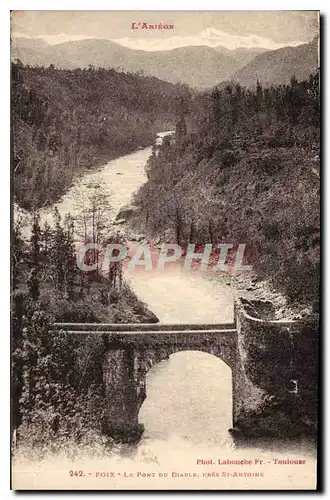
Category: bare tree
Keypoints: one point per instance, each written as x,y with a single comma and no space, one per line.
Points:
92,212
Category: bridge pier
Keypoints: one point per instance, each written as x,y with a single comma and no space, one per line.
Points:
124,395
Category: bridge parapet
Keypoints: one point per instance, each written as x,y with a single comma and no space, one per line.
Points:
140,327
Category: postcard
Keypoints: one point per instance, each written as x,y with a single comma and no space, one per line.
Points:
165,177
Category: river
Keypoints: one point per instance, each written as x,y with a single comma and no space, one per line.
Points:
187,412
174,296
189,381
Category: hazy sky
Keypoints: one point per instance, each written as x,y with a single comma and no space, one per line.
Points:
280,26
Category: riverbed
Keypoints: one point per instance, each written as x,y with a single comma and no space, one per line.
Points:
187,412
175,296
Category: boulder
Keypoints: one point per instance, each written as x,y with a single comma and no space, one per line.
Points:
126,212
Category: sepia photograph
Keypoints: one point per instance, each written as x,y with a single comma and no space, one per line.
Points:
165,250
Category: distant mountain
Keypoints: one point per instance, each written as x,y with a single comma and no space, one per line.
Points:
242,56
210,37
197,66
277,66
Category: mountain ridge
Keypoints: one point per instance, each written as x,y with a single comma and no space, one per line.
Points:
276,67
198,66
210,37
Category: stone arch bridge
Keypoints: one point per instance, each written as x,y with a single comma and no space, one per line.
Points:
259,352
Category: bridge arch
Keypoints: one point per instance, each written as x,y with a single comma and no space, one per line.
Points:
127,363
130,350
226,352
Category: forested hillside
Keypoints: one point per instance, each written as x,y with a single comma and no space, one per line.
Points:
56,378
244,168
67,121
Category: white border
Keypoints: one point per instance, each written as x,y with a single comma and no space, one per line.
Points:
168,5
5,179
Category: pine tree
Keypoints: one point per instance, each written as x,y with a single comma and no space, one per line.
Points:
58,252
69,267
35,240
33,280
259,97
17,252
